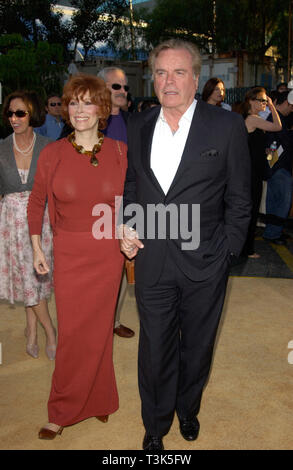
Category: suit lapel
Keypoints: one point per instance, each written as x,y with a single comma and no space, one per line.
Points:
146,137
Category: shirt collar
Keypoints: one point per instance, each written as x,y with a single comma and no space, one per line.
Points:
188,115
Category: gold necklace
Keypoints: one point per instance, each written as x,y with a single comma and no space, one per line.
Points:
91,153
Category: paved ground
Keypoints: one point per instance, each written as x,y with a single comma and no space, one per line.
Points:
275,261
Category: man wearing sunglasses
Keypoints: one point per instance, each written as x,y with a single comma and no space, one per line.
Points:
53,124
116,82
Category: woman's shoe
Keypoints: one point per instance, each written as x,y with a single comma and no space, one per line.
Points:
31,349
51,352
104,418
48,434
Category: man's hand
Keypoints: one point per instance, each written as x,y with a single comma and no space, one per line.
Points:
129,242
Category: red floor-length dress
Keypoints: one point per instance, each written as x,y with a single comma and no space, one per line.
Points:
87,274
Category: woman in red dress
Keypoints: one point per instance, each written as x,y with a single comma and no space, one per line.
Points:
75,174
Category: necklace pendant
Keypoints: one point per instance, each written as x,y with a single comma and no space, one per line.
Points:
94,161
79,148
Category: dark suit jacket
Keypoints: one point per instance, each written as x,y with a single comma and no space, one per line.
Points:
214,172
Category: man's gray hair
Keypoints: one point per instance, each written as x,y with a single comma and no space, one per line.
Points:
106,70
177,44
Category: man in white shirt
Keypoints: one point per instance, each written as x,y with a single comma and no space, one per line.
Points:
188,179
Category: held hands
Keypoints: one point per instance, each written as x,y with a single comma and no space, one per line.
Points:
40,263
129,242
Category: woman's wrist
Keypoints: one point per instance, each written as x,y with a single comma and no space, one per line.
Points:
36,243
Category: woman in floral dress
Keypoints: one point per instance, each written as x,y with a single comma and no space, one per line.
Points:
19,282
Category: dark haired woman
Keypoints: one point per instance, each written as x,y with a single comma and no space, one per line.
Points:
19,282
76,174
214,93
255,102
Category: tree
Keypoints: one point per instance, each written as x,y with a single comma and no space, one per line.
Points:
221,25
260,25
37,22
24,65
185,19
94,21
248,24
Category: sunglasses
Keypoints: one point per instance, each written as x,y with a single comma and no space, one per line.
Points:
18,113
261,100
117,86
55,104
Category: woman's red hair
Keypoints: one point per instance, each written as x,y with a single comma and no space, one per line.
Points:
77,86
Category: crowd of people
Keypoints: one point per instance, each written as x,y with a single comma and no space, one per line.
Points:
61,161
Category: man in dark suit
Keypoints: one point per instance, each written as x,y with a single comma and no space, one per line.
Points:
188,178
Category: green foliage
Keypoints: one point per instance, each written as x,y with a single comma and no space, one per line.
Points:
24,65
185,19
223,25
35,21
249,25
214,25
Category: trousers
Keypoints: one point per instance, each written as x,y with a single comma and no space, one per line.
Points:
278,202
178,325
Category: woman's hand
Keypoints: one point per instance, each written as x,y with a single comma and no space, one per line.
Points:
270,103
40,263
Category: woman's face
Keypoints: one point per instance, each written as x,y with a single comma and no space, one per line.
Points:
259,103
83,114
218,94
19,124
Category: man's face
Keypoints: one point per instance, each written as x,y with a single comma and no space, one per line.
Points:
118,97
174,81
282,88
54,106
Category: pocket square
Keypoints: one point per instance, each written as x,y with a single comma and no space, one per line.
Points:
209,153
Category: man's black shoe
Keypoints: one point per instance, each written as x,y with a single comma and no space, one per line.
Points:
189,429
152,443
276,241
